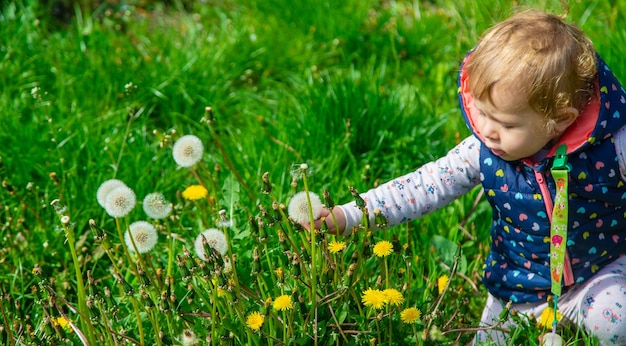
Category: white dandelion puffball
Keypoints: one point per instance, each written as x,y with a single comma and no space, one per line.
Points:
188,150
214,238
144,235
105,188
299,207
120,201
156,206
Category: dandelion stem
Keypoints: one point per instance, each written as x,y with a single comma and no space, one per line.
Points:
131,116
80,285
313,257
170,259
138,315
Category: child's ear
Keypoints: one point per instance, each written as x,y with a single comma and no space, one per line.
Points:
564,119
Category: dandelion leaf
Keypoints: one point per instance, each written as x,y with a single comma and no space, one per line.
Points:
449,252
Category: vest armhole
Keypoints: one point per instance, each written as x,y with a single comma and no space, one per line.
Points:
620,149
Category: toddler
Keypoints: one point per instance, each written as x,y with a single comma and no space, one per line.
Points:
533,84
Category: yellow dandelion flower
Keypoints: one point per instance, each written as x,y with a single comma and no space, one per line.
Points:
195,192
410,315
442,281
62,322
546,319
393,296
283,303
255,320
374,298
383,248
336,246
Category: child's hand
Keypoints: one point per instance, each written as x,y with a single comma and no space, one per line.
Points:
328,219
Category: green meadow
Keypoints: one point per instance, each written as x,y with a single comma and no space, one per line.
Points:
285,96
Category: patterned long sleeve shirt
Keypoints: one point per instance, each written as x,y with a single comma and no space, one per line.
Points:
434,185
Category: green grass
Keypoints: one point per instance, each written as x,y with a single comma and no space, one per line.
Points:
361,91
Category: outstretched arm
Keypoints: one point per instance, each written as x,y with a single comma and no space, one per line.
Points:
416,194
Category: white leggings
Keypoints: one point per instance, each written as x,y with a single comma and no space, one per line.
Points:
597,305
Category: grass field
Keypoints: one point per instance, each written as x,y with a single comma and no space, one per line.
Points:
359,91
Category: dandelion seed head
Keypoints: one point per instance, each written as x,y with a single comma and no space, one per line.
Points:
410,315
144,234
299,206
188,150
214,238
120,201
65,219
189,338
299,170
373,298
255,320
195,192
283,303
156,206
383,248
105,188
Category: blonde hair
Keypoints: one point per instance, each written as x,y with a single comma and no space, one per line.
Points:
552,62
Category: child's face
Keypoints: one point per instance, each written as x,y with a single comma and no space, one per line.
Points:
510,128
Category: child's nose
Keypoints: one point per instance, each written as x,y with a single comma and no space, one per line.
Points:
490,130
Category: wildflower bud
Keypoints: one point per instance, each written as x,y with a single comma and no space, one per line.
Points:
379,280
267,304
65,219
54,177
328,201
302,303
256,263
294,183
295,268
146,299
367,251
128,289
357,198
305,257
164,305
8,187
278,216
208,113
504,314
191,293
283,243
280,276
37,270
143,277
182,265
267,186
397,247
90,282
380,219
254,227
266,216
262,231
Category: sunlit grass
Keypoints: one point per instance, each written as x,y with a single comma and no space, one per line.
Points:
360,93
